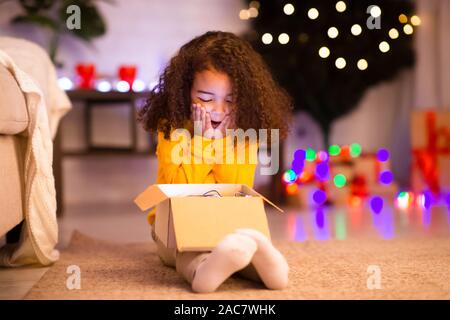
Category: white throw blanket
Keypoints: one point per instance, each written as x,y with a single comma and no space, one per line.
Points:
39,234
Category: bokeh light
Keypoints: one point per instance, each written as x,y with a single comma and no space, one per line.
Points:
340,63
383,155
292,189
322,156
300,154
322,171
289,176
341,6
408,29
319,197
288,9
310,154
324,52
375,11
415,20
376,204
313,13
283,38
334,150
267,38
355,150
356,30
393,33
362,64
403,18
333,32
340,180
384,46
386,177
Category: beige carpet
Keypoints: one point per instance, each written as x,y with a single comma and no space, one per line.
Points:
410,269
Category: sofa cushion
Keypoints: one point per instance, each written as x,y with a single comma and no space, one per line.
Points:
13,111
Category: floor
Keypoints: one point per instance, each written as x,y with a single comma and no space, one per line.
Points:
98,202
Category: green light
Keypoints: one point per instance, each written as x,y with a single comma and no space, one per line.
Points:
340,180
310,154
341,226
355,150
402,194
334,150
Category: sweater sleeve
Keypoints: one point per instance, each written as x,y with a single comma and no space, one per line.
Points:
184,161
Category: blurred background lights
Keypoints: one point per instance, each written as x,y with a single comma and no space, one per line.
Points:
288,9
376,204
310,154
384,46
253,12
415,20
362,64
322,156
292,189
341,6
319,197
355,150
122,86
375,11
324,52
340,180
356,30
340,63
404,200
334,150
244,14
300,154
403,18
408,29
333,32
254,4
383,155
313,13
103,86
289,176
283,38
65,83
138,85
393,33
267,38
386,177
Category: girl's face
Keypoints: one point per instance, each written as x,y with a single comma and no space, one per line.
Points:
213,90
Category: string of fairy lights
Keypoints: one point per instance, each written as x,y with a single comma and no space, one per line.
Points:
333,32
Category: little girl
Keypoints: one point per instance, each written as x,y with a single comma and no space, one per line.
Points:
217,82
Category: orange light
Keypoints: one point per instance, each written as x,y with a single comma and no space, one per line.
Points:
305,176
292,189
355,201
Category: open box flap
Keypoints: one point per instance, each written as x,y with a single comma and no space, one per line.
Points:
250,191
152,196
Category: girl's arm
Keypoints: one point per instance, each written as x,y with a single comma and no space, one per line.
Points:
170,171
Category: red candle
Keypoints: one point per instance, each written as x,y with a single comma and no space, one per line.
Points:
86,75
128,73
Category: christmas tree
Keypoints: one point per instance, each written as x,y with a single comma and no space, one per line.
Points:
327,53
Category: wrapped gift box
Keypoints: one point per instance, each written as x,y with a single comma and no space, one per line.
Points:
430,141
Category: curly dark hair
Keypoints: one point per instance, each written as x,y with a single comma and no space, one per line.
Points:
260,102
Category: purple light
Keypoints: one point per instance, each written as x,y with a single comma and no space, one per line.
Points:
426,200
323,156
386,177
322,170
297,165
319,197
447,199
320,219
376,204
300,154
383,155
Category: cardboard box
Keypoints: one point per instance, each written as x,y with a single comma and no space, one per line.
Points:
192,217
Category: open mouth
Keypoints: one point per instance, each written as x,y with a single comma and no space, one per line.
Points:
215,124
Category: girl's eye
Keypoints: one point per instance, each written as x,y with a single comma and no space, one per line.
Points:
205,100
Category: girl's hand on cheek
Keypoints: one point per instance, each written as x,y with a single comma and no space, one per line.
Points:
202,121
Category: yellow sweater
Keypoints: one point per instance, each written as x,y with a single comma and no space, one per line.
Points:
208,171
